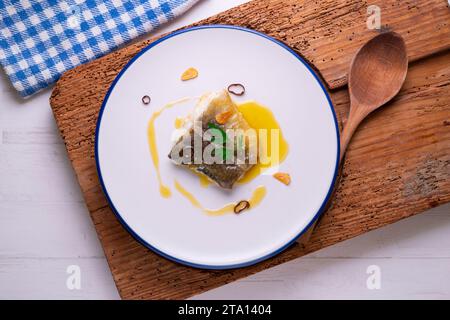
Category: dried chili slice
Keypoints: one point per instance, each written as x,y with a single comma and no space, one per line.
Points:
146,99
236,89
241,206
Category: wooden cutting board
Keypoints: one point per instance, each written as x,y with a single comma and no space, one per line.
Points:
397,165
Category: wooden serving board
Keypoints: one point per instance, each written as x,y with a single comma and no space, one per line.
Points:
397,165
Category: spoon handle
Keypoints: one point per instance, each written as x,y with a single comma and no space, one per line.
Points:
357,114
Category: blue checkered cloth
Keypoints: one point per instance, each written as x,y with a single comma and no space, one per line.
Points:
41,39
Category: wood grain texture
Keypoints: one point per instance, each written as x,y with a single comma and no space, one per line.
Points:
327,33
408,145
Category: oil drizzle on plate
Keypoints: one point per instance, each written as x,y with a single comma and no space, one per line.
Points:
179,122
261,117
204,181
163,189
258,117
257,196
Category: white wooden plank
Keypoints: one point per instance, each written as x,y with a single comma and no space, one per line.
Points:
340,278
37,172
15,111
47,230
31,136
46,279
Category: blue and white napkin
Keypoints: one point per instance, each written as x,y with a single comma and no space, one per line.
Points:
41,39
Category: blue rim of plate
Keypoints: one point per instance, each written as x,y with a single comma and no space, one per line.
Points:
202,266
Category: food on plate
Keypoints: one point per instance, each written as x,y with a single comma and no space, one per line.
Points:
283,177
217,116
236,89
235,207
224,144
189,74
273,147
146,99
179,122
164,190
241,206
223,117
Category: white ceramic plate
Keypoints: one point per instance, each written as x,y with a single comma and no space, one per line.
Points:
275,77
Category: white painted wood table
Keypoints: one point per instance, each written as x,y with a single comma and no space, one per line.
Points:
45,227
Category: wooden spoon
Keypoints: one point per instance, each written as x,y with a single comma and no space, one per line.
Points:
376,75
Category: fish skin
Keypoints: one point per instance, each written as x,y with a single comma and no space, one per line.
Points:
209,105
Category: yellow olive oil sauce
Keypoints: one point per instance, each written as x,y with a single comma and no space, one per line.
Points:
261,117
163,189
204,181
257,196
179,122
258,117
